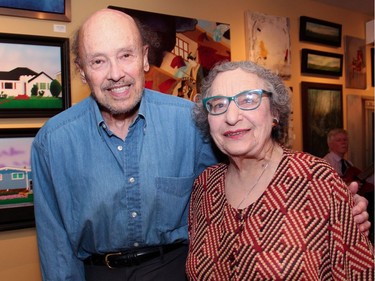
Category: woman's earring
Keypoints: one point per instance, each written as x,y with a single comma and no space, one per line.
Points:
275,122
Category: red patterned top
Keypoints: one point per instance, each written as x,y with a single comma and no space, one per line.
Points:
301,228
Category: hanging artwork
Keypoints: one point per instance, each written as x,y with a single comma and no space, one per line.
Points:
34,75
182,51
355,55
58,10
16,192
321,112
268,42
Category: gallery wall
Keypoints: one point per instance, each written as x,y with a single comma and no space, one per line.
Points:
18,255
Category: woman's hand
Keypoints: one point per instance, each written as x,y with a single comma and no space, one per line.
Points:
360,209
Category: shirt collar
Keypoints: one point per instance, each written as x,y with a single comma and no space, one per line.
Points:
336,157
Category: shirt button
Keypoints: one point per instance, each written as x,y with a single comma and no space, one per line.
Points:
134,214
119,148
131,180
136,244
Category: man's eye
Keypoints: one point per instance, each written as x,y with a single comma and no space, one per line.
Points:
96,63
125,56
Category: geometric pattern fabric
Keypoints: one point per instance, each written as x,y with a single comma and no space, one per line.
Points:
301,228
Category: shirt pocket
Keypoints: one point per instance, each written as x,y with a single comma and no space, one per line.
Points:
172,202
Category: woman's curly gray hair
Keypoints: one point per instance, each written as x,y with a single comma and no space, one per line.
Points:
280,99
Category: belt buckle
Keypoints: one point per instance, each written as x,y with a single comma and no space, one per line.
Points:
107,261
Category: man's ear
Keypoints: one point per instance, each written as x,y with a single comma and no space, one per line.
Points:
146,64
82,74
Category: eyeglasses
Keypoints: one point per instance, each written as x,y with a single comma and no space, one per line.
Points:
246,100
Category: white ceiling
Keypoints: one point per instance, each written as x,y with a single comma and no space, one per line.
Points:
361,6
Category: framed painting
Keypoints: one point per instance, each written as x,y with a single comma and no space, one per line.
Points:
268,42
355,63
182,51
34,75
16,192
58,10
320,31
372,67
324,63
321,111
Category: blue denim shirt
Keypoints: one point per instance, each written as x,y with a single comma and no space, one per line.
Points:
95,193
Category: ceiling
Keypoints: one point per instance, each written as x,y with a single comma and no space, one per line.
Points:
361,6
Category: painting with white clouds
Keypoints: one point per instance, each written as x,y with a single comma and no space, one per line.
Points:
34,75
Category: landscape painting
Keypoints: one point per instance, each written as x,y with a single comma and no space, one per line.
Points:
16,192
40,9
322,111
318,62
34,75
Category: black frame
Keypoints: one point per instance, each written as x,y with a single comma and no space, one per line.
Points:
63,44
306,34
316,120
38,14
17,217
307,67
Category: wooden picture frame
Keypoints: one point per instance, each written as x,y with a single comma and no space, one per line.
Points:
322,110
372,67
58,10
323,63
34,75
320,31
16,198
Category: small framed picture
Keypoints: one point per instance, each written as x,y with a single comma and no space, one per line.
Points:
16,189
321,111
34,75
324,63
58,10
320,31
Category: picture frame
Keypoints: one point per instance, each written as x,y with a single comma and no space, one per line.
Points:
355,62
58,10
34,75
372,67
323,63
16,198
322,110
320,31
268,42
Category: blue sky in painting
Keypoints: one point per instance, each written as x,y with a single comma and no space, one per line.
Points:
37,58
49,6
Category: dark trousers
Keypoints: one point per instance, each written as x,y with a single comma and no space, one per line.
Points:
168,267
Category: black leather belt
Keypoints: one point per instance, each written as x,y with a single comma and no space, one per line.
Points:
131,257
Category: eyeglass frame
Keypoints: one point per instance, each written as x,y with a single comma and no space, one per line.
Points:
260,92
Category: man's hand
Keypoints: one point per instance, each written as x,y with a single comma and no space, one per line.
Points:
360,209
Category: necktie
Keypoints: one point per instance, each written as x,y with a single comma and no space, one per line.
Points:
344,166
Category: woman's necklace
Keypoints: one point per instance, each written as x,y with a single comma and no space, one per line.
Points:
251,189
257,181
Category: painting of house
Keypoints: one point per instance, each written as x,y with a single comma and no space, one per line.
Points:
19,82
182,51
15,179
